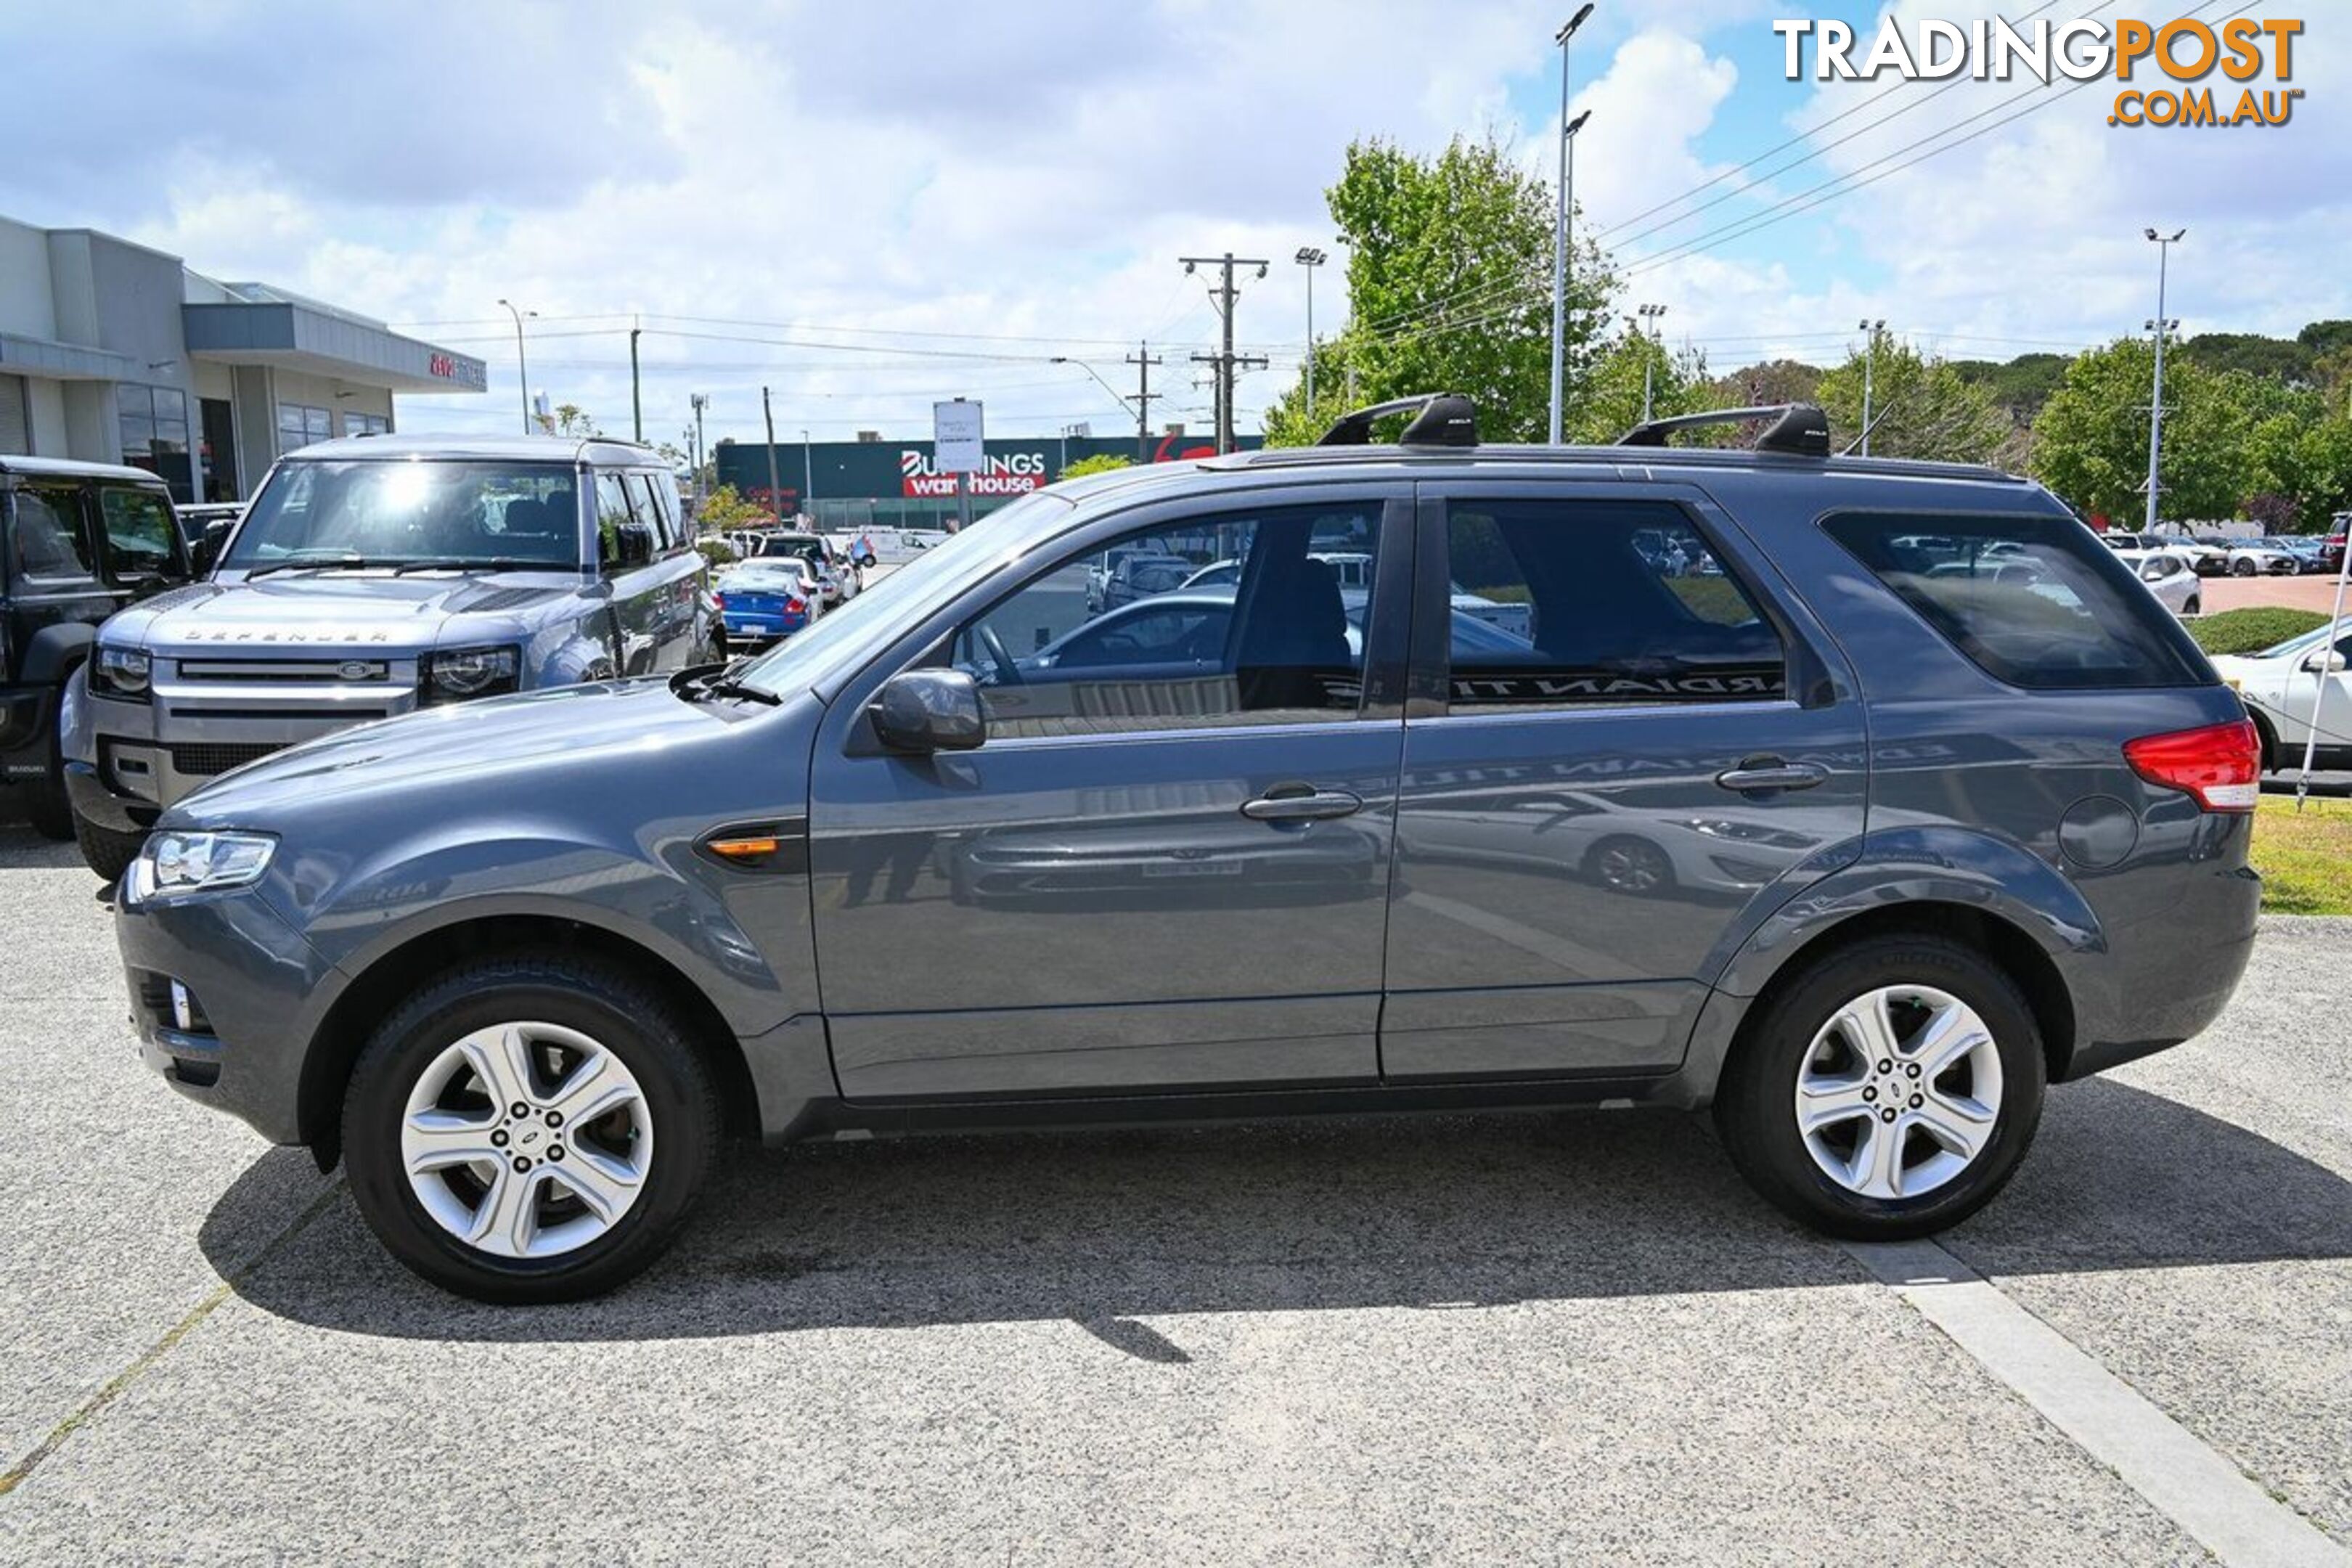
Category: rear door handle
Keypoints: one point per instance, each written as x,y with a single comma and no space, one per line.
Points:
1301,802
1759,774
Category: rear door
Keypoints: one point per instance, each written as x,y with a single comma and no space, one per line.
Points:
1593,811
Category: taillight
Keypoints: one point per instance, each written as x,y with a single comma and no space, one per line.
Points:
720,600
795,607
2221,765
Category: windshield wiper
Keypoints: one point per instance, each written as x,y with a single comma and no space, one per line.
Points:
486,563
720,681
310,564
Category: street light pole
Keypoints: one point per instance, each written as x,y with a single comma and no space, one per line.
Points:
1560,227
700,403
1869,375
1310,258
1646,326
808,476
2164,244
522,367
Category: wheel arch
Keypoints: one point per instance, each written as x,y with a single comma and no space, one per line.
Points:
344,1028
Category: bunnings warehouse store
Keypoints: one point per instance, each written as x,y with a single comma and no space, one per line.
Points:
896,484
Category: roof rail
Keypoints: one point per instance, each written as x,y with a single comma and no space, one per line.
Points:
1798,429
1445,419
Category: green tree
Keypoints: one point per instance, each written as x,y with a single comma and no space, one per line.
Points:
2282,360
725,507
569,420
1449,290
1771,382
1920,408
2090,444
1100,463
1611,395
2021,386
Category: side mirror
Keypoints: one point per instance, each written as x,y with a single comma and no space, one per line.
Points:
2326,661
633,544
204,553
926,711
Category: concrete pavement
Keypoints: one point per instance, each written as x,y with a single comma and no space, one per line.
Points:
1554,1339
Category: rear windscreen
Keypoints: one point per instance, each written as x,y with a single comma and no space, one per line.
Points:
2035,600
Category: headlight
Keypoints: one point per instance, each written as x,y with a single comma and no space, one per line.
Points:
196,863
119,672
453,675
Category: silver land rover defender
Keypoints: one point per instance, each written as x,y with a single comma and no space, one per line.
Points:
371,576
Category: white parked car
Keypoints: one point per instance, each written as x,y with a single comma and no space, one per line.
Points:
2280,685
2263,557
2205,558
2170,577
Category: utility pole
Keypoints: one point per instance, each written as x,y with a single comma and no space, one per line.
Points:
700,403
636,394
1226,361
1645,322
1143,359
2163,329
1869,376
775,489
1560,227
1310,258
808,476
522,366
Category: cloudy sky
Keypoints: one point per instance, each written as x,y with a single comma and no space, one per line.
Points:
868,206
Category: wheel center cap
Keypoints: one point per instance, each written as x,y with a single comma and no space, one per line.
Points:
527,1137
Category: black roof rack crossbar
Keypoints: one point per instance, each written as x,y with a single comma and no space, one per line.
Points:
1445,419
1798,429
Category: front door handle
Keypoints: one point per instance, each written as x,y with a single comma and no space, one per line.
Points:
1301,802
1759,774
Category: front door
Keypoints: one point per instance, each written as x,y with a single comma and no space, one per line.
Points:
1639,748
1167,867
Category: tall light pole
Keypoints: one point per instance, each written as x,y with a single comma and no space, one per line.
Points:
1869,374
808,476
700,403
1560,227
522,367
2163,329
1115,392
1310,258
1644,322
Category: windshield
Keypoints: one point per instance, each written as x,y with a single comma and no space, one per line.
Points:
400,513
845,638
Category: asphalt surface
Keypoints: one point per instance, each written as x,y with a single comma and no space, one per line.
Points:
1537,1338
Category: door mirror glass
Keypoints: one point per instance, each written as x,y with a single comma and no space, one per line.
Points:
926,710
633,544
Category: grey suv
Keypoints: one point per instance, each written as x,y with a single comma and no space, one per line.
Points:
1857,837
371,576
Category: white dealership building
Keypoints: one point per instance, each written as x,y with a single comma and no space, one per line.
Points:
113,352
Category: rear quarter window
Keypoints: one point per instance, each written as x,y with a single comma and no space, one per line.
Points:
2034,600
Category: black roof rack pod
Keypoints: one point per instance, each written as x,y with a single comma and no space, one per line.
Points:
1445,419
1798,429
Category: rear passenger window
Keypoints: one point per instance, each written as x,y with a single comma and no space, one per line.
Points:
641,501
2034,600
51,544
612,515
139,532
1598,603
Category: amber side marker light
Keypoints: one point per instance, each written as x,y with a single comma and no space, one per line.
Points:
744,849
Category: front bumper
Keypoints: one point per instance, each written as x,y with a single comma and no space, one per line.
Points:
257,991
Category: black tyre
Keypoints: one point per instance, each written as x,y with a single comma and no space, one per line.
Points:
529,1128
1918,1068
46,804
2242,569
104,850
2195,606
1624,864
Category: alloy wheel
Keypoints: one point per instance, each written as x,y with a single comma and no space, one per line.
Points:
1899,1092
527,1140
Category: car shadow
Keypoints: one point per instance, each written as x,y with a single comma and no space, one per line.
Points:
1103,1228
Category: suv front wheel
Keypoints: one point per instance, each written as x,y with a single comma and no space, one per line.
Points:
1889,1092
530,1129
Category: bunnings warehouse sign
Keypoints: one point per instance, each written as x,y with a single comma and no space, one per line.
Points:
908,470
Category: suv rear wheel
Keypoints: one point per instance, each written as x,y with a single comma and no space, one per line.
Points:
530,1129
1889,1092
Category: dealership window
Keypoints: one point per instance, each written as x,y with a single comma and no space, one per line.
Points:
298,425
1567,605
366,425
153,421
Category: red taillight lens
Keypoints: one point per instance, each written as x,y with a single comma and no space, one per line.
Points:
795,607
2221,764
719,599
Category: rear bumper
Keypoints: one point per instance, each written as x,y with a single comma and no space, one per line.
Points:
2164,978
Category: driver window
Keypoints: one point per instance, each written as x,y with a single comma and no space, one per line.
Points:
1244,618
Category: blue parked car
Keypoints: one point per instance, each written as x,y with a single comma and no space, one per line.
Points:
764,600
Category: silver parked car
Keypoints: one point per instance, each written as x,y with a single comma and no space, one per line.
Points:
374,576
